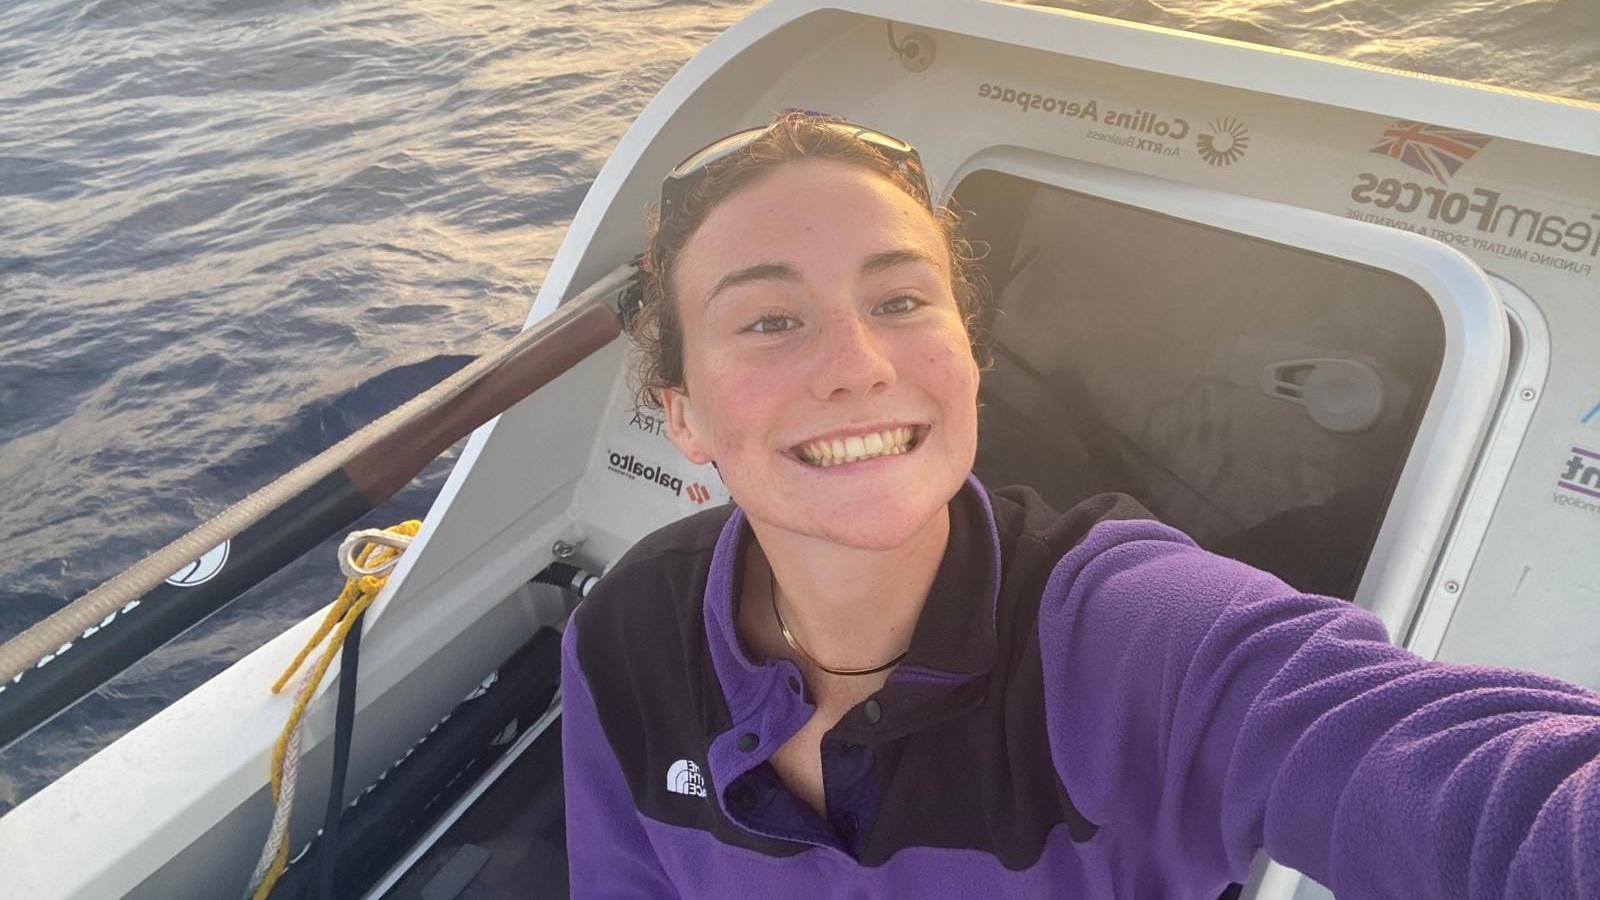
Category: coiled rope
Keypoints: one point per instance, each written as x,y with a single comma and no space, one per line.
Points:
365,572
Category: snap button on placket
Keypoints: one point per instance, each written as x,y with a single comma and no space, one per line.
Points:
748,742
849,825
741,797
872,712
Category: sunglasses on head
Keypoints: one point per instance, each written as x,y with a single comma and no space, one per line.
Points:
685,175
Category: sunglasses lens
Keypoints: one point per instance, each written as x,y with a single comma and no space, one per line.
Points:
685,174
716,150
893,146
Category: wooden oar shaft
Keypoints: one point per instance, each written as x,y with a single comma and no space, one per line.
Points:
376,462
393,459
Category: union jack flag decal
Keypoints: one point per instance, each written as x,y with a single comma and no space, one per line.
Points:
1434,149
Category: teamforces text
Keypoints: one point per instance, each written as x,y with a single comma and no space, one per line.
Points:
1483,210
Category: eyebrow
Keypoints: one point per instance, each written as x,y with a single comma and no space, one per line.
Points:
758,272
888,259
877,262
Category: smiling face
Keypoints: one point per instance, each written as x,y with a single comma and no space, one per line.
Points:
827,370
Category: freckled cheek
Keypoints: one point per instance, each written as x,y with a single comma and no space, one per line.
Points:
744,403
952,369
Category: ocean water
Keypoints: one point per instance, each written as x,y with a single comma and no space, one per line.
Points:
234,231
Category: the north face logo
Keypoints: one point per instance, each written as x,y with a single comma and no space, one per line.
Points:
684,778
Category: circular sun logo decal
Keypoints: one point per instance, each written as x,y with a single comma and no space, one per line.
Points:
203,569
1223,142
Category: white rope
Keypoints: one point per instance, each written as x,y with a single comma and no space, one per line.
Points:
280,815
381,549
291,774
348,549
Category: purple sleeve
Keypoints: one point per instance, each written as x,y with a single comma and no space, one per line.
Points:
608,854
1210,707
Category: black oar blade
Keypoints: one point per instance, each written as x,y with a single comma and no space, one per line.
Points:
191,595
76,649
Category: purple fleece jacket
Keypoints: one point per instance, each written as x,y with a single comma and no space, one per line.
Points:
1197,710
1222,712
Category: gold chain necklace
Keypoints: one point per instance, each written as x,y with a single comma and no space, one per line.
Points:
794,644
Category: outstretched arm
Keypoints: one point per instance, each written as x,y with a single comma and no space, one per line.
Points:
1212,705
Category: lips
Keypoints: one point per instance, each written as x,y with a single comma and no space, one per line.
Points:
855,448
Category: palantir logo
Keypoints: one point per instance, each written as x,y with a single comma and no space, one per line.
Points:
1223,142
684,778
1433,149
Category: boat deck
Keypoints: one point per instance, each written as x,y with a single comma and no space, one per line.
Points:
511,843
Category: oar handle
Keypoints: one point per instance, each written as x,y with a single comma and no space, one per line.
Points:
302,507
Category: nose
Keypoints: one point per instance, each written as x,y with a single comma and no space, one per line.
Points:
852,358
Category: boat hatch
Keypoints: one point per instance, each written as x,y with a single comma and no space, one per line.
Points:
1297,390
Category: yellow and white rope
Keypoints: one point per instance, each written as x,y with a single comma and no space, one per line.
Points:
366,571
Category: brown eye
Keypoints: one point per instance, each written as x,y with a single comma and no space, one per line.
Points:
897,305
772,324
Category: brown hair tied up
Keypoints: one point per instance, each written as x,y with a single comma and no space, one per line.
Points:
654,327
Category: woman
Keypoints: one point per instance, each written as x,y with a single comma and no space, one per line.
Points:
873,677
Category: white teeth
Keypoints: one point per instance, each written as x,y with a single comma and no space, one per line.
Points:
826,453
